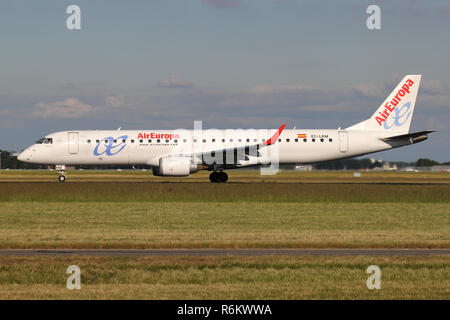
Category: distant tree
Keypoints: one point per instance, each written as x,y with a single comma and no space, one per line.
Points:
425,162
10,162
348,164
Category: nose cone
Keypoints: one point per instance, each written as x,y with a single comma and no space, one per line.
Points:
21,157
24,156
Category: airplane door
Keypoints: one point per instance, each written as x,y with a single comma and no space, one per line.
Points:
73,142
343,141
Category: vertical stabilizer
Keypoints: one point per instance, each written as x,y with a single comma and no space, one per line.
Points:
395,113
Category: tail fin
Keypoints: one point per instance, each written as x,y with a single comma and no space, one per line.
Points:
395,113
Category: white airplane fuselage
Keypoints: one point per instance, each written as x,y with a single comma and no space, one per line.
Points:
182,152
312,146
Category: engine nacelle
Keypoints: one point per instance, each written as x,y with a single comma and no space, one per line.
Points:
175,166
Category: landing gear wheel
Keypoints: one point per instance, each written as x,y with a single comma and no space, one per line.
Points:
218,176
223,177
214,176
62,178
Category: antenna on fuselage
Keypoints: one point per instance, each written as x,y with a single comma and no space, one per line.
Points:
119,128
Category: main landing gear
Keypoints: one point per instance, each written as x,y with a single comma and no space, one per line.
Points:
220,176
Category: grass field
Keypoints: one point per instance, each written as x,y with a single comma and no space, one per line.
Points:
225,278
311,210
130,209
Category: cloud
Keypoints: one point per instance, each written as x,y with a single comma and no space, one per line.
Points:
68,108
114,101
262,105
430,86
5,112
174,82
223,3
445,9
280,2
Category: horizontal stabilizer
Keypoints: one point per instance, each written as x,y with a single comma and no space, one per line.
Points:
414,136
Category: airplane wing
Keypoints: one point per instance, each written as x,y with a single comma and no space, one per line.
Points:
241,154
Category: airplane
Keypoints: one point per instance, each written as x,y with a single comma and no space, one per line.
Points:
183,152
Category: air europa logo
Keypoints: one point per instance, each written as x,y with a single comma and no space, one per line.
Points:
399,116
110,146
390,106
153,135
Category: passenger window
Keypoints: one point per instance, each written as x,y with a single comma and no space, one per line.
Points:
132,140
296,140
184,140
305,140
89,141
176,141
167,141
158,140
287,140
213,140
97,141
195,140
106,141
321,140
204,140
149,140
254,140
115,141
239,140
140,140
223,140
279,140
231,140
331,140
313,140
123,140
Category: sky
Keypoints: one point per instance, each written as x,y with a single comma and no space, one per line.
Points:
162,64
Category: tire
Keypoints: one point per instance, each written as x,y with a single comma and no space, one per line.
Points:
62,178
223,177
213,177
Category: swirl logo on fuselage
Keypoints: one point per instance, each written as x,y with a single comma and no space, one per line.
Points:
110,146
400,116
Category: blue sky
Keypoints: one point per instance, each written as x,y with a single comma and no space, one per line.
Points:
231,63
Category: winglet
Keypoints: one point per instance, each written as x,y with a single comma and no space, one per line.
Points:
274,138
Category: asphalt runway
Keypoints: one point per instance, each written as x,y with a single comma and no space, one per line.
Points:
220,252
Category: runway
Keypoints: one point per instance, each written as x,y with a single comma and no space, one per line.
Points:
220,252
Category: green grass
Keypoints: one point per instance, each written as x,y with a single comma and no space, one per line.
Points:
225,278
236,176
107,209
223,224
237,192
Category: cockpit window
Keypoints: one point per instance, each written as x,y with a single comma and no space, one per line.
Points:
45,141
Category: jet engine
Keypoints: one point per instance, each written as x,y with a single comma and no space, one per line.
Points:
175,166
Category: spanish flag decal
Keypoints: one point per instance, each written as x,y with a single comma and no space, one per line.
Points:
301,135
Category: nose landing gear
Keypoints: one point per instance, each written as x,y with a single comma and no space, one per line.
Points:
218,177
62,173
